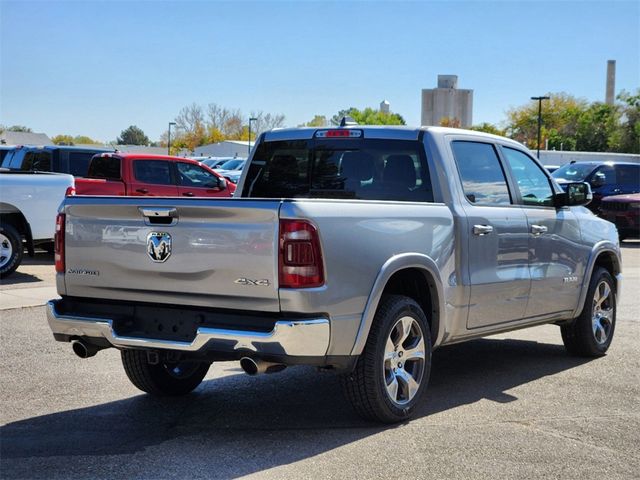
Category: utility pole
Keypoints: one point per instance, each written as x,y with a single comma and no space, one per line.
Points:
539,99
169,138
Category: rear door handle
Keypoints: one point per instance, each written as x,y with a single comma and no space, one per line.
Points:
482,229
142,190
538,229
187,194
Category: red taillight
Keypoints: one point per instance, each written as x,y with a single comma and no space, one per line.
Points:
339,133
300,258
58,241
71,191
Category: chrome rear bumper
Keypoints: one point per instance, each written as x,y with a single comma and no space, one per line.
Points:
305,338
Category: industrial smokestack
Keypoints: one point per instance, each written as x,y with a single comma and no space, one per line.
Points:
611,82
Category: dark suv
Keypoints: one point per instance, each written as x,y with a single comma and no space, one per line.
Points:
55,158
605,178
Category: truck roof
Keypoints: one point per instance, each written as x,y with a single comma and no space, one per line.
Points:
391,132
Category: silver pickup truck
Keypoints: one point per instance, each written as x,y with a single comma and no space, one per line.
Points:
356,249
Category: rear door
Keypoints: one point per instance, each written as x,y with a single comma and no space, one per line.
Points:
195,181
153,178
205,252
497,250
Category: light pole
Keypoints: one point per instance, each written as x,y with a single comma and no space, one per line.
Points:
252,119
169,138
539,99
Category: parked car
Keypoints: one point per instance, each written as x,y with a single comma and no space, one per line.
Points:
28,207
152,175
605,178
232,169
354,249
551,168
624,211
52,158
216,162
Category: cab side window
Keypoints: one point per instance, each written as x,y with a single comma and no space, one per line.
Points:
483,180
157,172
533,184
191,175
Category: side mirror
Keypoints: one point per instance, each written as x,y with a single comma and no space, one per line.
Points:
222,183
576,194
598,180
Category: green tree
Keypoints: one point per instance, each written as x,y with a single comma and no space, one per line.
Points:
487,127
19,128
63,140
629,129
84,140
132,136
598,128
369,116
317,121
560,117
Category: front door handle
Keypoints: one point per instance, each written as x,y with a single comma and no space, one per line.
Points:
482,229
187,194
144,191
538,229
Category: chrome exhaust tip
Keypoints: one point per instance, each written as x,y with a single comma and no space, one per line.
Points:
83,350
255,366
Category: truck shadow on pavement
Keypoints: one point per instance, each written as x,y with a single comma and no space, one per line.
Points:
240,424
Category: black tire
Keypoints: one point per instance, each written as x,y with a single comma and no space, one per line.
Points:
11,237
162,379
580,337
365,387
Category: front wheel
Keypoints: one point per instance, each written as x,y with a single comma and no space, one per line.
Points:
590,334
164,378
393,371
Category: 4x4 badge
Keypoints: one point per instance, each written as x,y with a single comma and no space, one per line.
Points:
159,246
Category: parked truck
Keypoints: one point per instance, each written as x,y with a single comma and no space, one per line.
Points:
355,249
28,207
151,175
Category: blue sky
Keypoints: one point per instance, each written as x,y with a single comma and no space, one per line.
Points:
96,67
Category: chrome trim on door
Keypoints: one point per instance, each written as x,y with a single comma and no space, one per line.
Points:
538,229
481,230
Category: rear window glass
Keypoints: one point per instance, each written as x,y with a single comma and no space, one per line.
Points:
105,167
37,160
364,169
628,175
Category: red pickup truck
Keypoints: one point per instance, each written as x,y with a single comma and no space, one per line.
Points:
151,175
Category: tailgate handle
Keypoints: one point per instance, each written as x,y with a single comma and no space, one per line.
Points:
159,215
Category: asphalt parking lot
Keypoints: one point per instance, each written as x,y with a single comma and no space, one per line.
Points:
509,406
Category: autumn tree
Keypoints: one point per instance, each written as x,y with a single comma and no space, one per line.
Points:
132,136
63,140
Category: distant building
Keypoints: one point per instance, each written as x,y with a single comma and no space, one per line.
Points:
24,138
228,148
385,106
447,102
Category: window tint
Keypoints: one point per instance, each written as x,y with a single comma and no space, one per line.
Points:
483,180
191,175
361,169
105,167
628,175
605,175
37,160
79,163
533,184
157,172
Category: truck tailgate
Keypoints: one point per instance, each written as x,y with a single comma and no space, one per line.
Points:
212,253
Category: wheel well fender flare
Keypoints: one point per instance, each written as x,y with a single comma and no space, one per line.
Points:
609,249
12,215
392,266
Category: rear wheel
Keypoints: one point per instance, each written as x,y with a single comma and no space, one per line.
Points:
590,334
10,249
393,371
164,378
